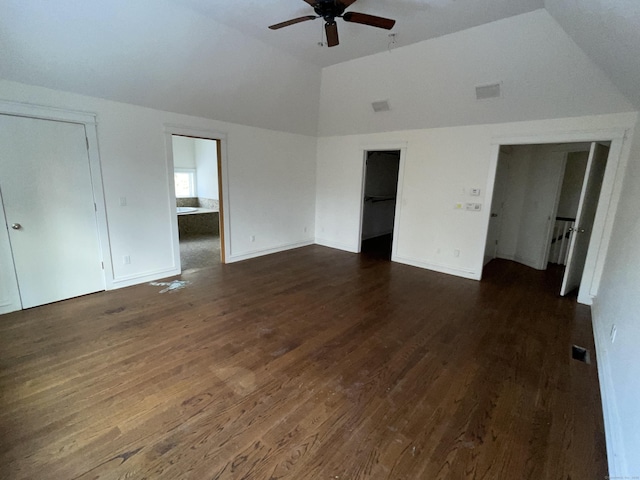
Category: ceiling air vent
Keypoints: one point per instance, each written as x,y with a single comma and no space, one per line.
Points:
382,106
484,92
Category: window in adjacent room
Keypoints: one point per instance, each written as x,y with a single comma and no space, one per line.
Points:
185,180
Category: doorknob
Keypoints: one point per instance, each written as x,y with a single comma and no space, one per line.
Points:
494,215
16,226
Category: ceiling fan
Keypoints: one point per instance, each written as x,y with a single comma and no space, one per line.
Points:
332,9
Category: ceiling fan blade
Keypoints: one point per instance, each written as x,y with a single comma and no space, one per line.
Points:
292,22
371,20
332,34
346,3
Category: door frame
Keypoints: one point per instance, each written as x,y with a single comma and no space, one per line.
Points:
223,186
383,147
607,203
89,121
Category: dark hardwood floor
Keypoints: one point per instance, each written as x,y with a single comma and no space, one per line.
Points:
307,364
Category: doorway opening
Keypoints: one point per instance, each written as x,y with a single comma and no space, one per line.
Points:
197,179
544,205
381,171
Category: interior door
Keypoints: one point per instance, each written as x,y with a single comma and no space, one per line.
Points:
49,209
581,234
497,206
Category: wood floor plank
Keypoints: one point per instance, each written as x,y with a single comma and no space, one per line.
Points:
307,364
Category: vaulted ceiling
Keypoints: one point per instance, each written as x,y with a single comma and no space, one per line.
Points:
205,57
416,20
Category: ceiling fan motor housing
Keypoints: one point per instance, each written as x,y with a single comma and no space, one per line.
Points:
329,9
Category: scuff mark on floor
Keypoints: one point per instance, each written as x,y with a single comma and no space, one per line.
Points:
171,286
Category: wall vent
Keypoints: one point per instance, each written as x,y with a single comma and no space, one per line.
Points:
484,92
381,106
581,354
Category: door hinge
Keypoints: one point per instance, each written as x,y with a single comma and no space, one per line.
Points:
95,207
102,264
86,139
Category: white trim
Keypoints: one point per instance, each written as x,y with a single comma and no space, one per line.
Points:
490,185
95,168
88,119
267,251
172,129
46,113
337,245
383,147
613,437
571,136
611,189
458,272
129,280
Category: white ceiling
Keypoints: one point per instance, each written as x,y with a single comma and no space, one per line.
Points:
217,59
608,31
416,20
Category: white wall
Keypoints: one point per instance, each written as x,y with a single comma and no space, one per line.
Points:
618,303
432,83
517,165
441,167
271,178
183,152
206,160
533,177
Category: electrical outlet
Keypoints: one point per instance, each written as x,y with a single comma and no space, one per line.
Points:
456,253
252,238
126,260
305,229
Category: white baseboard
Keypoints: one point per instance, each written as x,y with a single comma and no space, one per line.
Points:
130,280
458,272
612,424
337,245
267,251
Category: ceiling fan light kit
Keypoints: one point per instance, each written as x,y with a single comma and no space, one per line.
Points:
329,10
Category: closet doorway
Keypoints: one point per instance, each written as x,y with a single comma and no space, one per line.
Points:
544,205
52,206
381,172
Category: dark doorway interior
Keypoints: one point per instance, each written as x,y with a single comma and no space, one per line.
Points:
379,205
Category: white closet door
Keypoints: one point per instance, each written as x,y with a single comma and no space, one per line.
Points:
49,208
581,235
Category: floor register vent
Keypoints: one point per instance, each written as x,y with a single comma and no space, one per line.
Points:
581,354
